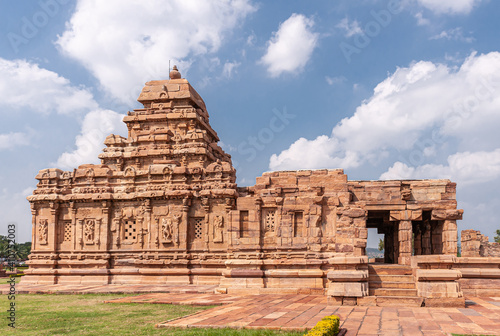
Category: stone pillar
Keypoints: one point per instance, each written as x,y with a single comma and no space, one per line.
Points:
417,243
231,231
258,218
79,231
183,237
450,244
208,233
405,233
54,207
389,246
33,226
395,242
103,238
148,219
426,238
73,211
447,229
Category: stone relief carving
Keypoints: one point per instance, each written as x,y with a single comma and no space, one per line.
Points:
218,229
43,231
167,230
89,231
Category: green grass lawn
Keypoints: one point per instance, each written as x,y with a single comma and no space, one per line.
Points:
3,281
88,315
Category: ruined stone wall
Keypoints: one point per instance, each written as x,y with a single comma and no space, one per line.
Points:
475,244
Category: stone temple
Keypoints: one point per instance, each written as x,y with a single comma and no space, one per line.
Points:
163,207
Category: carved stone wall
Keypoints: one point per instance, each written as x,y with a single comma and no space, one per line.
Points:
163,207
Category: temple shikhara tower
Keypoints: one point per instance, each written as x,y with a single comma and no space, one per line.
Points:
163,207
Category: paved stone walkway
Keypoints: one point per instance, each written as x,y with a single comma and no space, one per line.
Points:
297,312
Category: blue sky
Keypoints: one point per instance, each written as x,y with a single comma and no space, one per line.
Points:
383,89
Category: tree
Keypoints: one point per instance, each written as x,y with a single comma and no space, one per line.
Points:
19,251
381,244
23,250
4,247
497,237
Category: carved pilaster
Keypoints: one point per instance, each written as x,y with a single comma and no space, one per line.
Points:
54,213
105,222
148,218
73,210
186,203
80,231
34,214
258,219
206,206
230,205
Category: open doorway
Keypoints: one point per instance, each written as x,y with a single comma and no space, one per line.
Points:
387,230
375,245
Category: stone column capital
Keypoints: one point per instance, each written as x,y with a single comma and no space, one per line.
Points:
406,215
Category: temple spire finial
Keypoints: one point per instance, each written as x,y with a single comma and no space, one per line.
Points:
175,74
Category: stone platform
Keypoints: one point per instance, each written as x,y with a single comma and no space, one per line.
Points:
104,289
300,312
296,312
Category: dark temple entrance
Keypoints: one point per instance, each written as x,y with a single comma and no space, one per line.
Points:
425,235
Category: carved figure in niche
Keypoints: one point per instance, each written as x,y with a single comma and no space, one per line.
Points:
218,229
167,230
406,194
90,175
89,230
218,171
43,231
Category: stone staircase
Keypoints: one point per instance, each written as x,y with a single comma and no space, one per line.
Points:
393,285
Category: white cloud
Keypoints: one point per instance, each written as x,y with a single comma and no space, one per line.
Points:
421,21
455,34
335,80
25,85
229,68
96,126
124,46
350,28
465,168
418,115
449,6
291,46
14,139
15,210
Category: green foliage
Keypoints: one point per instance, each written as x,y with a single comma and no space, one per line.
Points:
328,326
497,237
381,244
20,252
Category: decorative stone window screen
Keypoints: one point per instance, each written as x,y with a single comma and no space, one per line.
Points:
68,231
198,228
269,220
130,231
